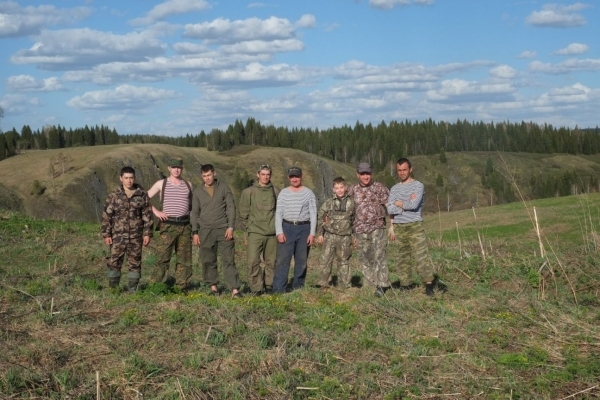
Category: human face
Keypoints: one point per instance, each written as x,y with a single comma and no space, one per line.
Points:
339,189
295,181
264,177
127,179
175,171
208,178
403,172
364,178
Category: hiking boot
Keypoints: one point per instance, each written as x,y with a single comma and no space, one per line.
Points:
379,292
429,289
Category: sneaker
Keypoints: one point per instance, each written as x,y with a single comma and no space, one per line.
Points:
429,289
379,292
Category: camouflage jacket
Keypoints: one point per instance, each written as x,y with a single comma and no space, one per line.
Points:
125,216
371,210
336,216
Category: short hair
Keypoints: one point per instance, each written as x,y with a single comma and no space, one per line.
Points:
207,168
339,181
127,170
403,160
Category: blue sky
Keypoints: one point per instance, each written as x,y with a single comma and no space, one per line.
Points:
181,66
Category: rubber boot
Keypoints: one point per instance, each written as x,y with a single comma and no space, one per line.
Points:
113,282
132,285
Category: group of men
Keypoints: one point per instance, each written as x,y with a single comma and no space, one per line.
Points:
279,226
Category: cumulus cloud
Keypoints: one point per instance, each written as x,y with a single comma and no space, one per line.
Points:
503,72
223,30
17,103
263,47
390,4
80,48
527,54
171,7
255,73
122,97
567,66
306,21
28,83
451,89
573,49
558,16
16,21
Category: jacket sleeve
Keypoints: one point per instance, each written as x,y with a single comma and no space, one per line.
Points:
230,208
321,218
107,216
194,214
244,209
147,216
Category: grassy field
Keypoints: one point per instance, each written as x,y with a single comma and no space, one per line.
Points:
505,322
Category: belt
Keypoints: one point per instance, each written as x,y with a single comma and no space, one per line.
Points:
296,222
178,220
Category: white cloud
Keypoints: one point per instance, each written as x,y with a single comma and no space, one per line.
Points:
573,49
225,31
470,91
18,104
18,21
189,48
80,48
390,4
264,47
558,16
29,83
171,7
122,97
256,5
306,21
567,66
503,72
527,54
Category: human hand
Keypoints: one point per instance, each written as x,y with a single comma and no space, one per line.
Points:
320,239
196,240
108,241
146,241
310,240
281,238
229,234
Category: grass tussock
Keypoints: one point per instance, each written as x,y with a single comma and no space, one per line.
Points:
512,325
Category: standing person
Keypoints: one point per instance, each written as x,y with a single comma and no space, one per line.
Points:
174,231
369,228
213,219
257,219
126,226
334,228
295,226
405,204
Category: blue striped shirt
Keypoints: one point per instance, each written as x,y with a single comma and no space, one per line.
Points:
411,209
296,206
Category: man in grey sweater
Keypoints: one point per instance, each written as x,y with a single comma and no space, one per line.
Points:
213,220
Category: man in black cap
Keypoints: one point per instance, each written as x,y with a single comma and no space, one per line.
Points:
295,227
370,200
174,229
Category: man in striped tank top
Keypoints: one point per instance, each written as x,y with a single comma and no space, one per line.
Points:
174,229
404,205
295,227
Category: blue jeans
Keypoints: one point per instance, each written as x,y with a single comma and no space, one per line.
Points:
295,245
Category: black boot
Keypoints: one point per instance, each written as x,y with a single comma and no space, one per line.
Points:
429,289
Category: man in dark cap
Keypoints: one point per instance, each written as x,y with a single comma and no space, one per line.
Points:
370,200
174,229
295,227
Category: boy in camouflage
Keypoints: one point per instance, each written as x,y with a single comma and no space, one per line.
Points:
126,226
334,228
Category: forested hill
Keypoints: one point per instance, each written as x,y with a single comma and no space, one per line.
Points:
379,144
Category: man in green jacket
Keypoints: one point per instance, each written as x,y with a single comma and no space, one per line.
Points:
257,219
213,219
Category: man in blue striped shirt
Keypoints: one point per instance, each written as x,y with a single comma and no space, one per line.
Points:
295,227
405,205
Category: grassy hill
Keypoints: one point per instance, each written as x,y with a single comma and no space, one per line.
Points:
505,323
37,184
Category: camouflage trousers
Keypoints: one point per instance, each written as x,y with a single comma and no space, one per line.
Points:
340,248
412,246
371,249
120,246
265,247
176,238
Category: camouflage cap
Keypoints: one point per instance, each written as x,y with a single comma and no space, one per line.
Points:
176,162
294,171
363,168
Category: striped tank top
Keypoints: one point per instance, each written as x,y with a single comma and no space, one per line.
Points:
176,201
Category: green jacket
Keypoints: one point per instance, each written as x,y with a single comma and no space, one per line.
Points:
217,211
257,209
127,217
336,216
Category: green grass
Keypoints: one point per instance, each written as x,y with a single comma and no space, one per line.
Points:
501,330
